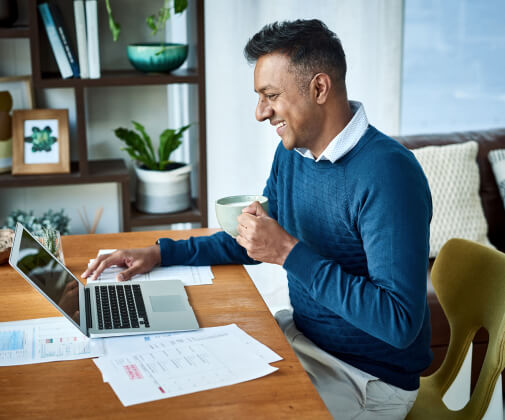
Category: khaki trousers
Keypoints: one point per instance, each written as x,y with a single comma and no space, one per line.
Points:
348,392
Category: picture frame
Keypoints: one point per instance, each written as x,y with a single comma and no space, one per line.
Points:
40,142
21,90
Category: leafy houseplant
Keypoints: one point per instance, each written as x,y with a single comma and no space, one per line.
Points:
53,220
140,147
154,57
162,185
47,228
156,22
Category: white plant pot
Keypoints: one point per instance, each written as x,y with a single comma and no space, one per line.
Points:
163,191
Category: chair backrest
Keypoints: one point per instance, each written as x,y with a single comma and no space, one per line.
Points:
469,279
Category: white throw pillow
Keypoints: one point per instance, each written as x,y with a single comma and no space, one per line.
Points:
453,176
497,159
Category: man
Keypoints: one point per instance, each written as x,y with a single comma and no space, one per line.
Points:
349,221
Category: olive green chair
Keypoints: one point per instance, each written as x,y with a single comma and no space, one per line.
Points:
469,280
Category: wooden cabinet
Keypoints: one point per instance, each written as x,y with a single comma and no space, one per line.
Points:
86,171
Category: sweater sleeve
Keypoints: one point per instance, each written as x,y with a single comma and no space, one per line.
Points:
219,248
392,213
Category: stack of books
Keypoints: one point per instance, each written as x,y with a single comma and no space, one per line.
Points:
86,27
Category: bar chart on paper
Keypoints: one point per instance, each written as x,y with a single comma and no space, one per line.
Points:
12,344
44,340
62,344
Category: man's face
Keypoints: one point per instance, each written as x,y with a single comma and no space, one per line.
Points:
280,101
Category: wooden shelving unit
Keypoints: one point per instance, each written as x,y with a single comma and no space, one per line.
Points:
101,171
15,32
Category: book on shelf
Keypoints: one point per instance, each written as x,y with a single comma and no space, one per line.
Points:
92,34
82,38
55,41
59,40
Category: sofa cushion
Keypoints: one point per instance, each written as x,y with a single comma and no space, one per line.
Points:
453,176
497,159
491,201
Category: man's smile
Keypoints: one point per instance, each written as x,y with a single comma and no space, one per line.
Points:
279,126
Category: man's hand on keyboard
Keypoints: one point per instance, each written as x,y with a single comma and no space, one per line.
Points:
137,261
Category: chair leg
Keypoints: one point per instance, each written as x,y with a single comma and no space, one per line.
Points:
495,409
458,393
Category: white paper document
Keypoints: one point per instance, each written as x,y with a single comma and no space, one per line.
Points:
44,340
189,275
152,367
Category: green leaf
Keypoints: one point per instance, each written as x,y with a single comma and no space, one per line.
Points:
114,27
165,139
170,140
180,5
135,142
140,128
151,24
139,158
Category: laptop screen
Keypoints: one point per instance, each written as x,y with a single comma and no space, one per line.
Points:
49,275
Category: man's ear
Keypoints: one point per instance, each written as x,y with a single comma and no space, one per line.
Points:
320,87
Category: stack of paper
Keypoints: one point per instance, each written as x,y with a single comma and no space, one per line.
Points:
152,367
44,340
189,275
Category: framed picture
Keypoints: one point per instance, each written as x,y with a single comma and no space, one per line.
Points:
21,90
40,142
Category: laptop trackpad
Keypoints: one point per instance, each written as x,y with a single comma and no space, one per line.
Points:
168,303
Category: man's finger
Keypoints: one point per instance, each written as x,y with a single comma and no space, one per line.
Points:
246,219
242,231
112,259
135,269
255,209
92,267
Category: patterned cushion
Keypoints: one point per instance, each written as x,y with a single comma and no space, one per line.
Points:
497,159
453,176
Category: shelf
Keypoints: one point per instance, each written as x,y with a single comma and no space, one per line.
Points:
15,32
138,218
113,170
120,78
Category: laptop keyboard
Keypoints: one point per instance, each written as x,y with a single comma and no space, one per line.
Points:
120,306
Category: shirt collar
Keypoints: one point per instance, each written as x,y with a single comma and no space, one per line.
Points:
346,139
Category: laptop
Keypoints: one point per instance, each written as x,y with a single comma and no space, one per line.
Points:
104,309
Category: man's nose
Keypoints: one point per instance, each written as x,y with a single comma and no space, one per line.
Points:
263,110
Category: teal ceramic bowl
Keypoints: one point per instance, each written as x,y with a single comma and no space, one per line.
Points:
157,57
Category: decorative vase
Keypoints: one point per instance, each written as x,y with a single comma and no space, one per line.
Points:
163,191
8,12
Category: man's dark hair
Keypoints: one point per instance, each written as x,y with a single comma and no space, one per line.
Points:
310,45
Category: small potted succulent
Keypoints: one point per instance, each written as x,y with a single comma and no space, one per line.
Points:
154,56
163,186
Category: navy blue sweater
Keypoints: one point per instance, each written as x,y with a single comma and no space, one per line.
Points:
357,278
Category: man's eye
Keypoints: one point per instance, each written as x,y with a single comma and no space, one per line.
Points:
272,96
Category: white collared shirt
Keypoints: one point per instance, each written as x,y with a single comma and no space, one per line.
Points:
346,139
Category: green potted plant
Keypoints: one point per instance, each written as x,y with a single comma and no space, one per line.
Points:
47,228
162,185
154,56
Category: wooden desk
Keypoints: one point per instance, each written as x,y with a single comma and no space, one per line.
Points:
74,389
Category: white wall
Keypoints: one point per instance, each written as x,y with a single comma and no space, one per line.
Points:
239,149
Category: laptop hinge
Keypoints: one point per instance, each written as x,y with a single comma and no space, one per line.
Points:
87,299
